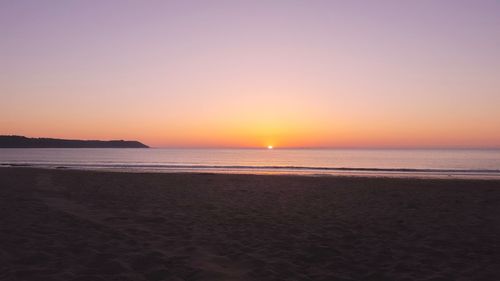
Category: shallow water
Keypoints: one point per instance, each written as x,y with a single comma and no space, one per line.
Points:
430,162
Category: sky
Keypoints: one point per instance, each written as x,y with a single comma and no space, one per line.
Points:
253,73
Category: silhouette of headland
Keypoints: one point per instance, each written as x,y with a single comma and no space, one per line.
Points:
24,142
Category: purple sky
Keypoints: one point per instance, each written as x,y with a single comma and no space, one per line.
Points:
251,73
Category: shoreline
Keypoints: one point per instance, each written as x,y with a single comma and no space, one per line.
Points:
493,175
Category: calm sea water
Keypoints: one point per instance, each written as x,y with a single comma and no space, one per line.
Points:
458,163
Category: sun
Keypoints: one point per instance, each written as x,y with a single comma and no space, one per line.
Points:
269,147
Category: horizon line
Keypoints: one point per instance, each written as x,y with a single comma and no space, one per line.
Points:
368,147
331,147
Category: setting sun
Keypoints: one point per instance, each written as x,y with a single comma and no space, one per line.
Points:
269,147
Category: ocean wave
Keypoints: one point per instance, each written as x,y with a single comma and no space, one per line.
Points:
256,168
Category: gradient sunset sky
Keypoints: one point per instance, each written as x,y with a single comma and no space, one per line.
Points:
253,73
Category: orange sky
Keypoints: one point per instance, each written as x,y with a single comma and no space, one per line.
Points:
252,74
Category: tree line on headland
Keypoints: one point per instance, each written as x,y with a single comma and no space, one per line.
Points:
24,142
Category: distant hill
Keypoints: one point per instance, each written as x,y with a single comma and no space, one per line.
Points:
24,142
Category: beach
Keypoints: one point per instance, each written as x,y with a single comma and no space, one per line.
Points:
60,224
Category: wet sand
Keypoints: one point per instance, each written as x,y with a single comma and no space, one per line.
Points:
91,226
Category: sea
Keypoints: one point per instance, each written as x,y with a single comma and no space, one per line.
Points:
440,163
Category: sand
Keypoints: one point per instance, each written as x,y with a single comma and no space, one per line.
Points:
91,226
